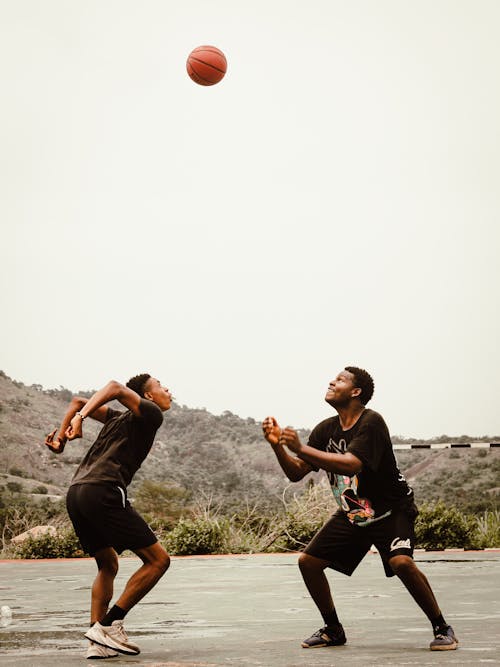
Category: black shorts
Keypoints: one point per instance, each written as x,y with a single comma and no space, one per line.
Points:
345,545
103,517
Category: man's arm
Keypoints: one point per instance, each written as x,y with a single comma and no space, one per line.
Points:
112,391
57,442
295,469
344,464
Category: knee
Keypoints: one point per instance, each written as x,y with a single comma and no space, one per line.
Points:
108,567
162,563
309,564
402,565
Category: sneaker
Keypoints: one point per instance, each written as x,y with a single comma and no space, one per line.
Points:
112,636
444,640
98,652
326,637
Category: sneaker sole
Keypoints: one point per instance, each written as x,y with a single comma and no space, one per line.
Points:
323,645
113,648
449,647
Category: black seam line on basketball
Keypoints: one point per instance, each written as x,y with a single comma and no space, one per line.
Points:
200,79
202,62
197,78
207,81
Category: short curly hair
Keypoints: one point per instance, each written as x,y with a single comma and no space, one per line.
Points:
138,383
364,381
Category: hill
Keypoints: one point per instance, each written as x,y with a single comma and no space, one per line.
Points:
222,457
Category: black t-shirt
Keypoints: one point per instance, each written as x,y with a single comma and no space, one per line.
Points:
380,487
121,446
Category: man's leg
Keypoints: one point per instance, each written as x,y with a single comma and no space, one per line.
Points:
419,588
156,562
417,585
313,573
102,588
109,631
102,592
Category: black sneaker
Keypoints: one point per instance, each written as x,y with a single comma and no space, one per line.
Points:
444,640
326,636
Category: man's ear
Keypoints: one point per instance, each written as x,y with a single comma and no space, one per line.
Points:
146,392
356,392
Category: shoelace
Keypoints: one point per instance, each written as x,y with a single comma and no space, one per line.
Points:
120,630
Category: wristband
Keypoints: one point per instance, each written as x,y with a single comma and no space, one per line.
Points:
82,417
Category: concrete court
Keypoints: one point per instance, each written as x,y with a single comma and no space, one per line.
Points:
253,611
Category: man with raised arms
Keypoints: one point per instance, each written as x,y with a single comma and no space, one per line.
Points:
103,518
376,504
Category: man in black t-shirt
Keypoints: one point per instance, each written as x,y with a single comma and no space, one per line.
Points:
375,503
103,518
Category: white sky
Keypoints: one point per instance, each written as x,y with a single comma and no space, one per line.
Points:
334,200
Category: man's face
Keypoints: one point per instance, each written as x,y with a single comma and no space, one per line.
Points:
154,391
342,390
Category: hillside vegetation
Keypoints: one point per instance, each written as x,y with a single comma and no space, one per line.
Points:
216,463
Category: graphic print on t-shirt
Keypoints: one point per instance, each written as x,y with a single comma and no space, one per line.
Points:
359,511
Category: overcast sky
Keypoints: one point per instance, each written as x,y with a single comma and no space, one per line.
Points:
333,201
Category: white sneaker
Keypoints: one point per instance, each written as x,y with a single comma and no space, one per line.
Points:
112,636
98,652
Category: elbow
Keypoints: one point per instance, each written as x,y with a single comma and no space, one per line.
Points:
113,390
114,387
78,402
353,469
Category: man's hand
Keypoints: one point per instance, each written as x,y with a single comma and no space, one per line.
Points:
74,429
271,430
55,445
290,439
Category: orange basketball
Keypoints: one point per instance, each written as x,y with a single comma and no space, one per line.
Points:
206,65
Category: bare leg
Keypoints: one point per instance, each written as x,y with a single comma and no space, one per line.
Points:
313,573
416,584
102,588
155,563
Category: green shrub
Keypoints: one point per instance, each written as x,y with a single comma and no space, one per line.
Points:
40,489
488,530
62,545
15,487
298,531
442,526
161,504
200,535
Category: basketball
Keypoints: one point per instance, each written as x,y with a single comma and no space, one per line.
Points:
206,65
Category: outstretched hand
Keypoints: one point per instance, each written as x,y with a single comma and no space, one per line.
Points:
271,430
55,445
290,439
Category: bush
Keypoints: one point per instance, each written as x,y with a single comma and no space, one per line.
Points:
15,487
62,545
161,504
40,489
441,526
200,535
488,530
298,531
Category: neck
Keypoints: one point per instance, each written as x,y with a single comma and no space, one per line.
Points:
349,415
